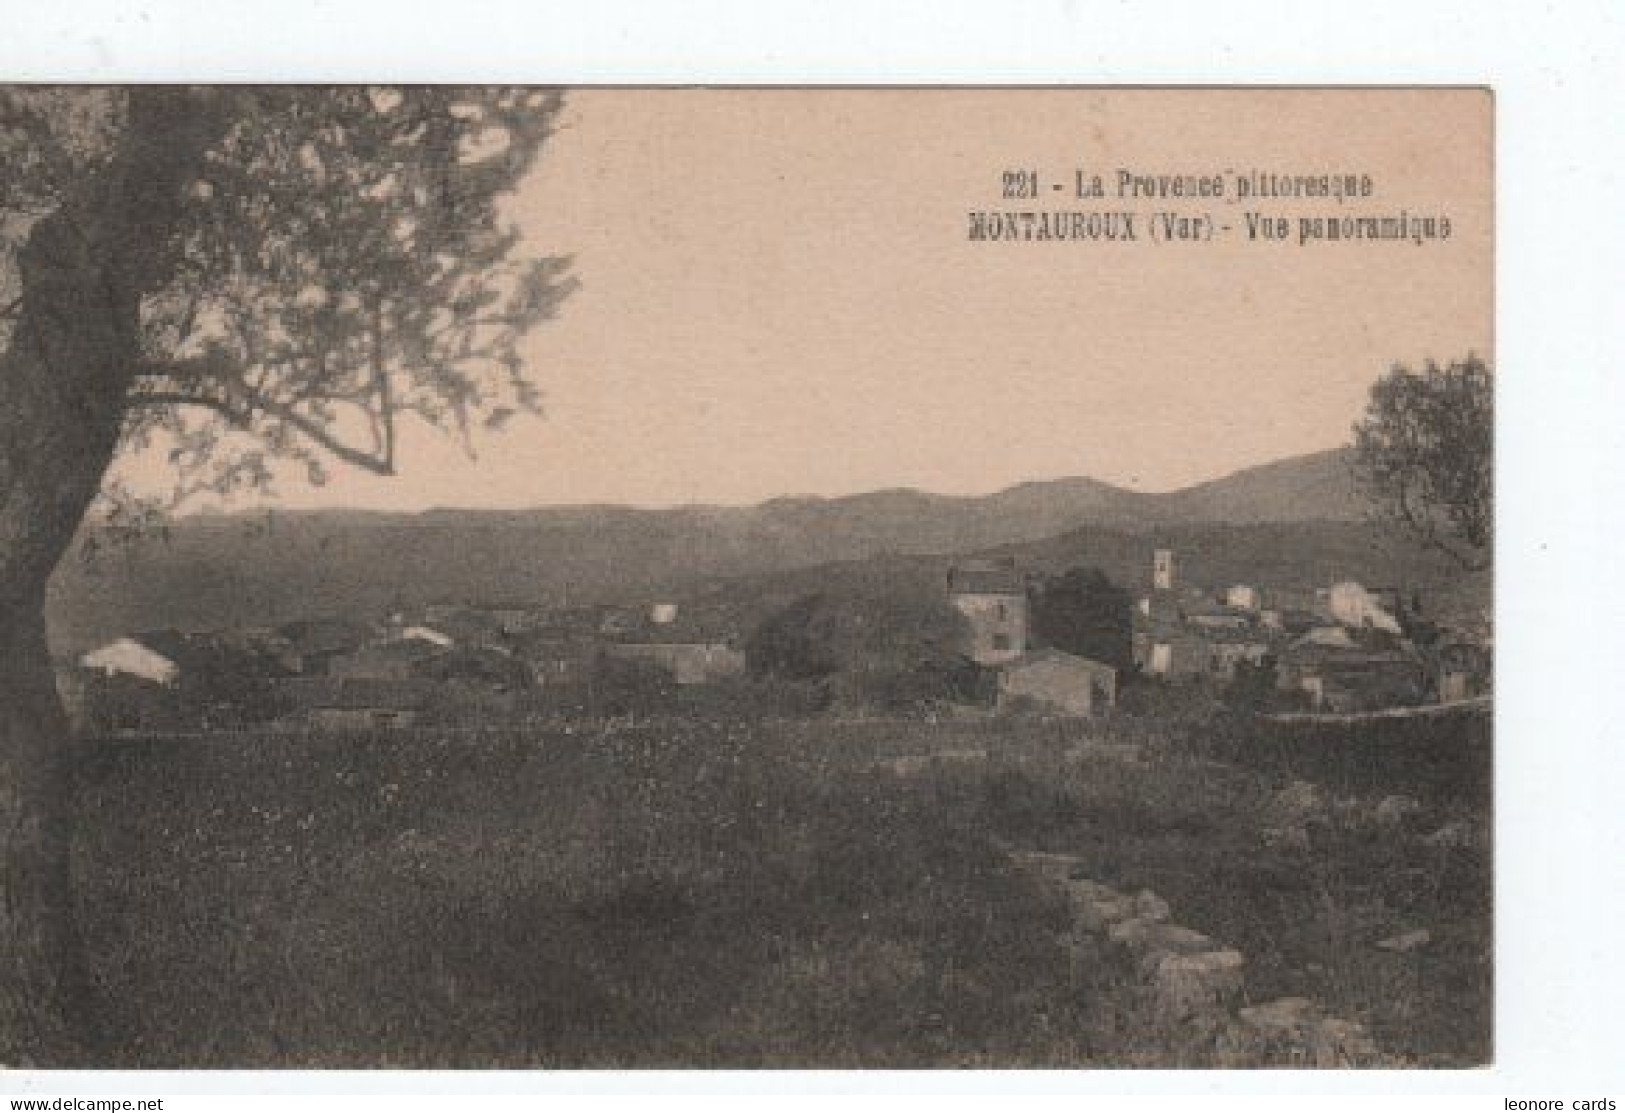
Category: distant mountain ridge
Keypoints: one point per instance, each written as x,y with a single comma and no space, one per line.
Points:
1317,487
1314,487
239,568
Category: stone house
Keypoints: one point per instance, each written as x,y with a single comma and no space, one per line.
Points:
685,662
691,644
132,657
1162,570
1463,669
1165,647
1217,616
1367,673
1229,649
170,680
1058,682
1354,606
415,657
992,595
1243,597
393,660
358,703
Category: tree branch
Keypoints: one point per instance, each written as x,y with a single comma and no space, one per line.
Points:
178,398
242,418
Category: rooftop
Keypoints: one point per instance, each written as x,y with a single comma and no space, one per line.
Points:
1047,655
986,578
355,693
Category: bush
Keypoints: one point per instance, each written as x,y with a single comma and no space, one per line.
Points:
628,686
1444,758
923,689
1083,612
1252,688
894,650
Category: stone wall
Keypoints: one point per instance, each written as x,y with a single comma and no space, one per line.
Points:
1188,978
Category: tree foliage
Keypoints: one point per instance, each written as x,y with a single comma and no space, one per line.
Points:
1082,611
790,643
1423,455
242,276
335,260
892,629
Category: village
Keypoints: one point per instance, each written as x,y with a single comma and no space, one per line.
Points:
1341,649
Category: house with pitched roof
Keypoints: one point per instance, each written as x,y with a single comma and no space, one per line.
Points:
992,595
1058,682
1341,670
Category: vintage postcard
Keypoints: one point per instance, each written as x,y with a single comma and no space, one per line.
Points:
794,577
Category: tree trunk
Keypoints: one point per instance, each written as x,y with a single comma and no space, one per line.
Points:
63,386
75,346
46,1013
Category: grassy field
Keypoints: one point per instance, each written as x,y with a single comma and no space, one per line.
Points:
741,895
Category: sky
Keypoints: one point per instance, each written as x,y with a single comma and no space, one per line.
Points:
778,295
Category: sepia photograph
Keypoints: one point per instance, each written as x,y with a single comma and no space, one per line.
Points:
778,577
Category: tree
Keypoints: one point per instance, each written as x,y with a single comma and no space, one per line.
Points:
1083,612
790,644
892,642
1423,457
243,275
